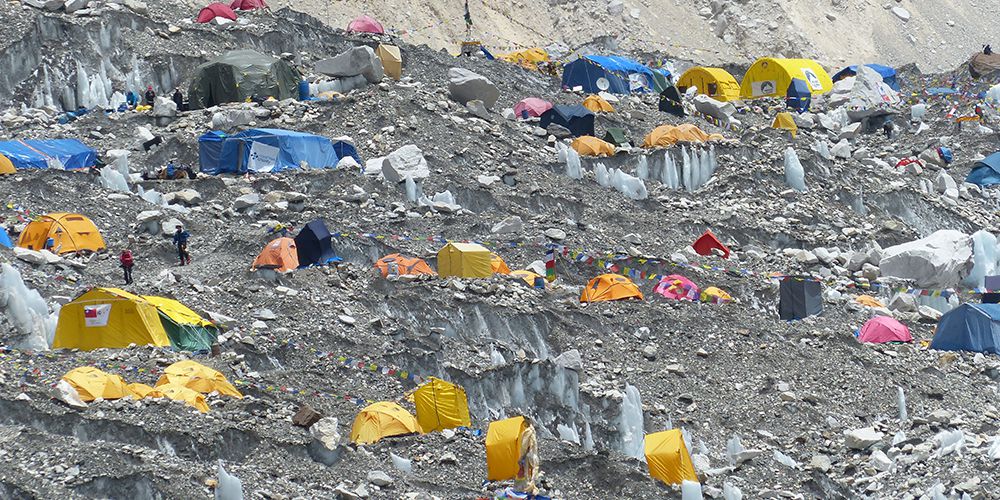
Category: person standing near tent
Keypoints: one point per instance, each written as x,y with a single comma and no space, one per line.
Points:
181,241
150,95
127,261
178,99
131,99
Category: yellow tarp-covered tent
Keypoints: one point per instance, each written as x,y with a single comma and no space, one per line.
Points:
143,391
92,383
464,260
610,287
529,58
716,83
785,121
197,377
770,77
598,104
441,405
503,448
668,135
69,233
392,60
498,265
868,300
715,295
591,146
109,317
382,419
668,458
6,167
192,397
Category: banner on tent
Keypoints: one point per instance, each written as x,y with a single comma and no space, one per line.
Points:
96,315
263,158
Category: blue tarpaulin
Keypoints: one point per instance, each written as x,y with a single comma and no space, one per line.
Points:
5,239
986,172
269,150
69,154
969,327
888,74
585,71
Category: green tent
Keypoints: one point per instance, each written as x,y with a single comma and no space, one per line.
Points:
186,330
616,136
240,74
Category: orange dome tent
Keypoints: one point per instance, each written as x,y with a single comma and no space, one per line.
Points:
398,265
591,146
68,232
382,419
498,264
668,135
598,104
280,254
6,167
610,287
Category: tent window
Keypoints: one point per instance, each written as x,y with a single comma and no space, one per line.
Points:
713,89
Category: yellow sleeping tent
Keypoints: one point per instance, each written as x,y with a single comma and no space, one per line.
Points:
770,77
144,391
498,265
785,121
529,278
108,317
868,301
529,58
668,135
668,458
598,104
392,60
382,419
716,83
441,405
503,448
192,397
92,383
464,260
197,377
69,233
6,167
591,146
715,295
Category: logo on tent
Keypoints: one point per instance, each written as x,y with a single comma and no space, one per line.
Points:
96,316
763,88
812,79
263,158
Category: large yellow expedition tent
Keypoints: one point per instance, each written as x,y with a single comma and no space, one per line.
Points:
610,287
69,233
114,318
441,405
769,77
464,260
382,419
529,58
716,83
392,60
591,146
598,104
504,448
668,135
668,458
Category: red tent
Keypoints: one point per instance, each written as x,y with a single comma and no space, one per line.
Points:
707,242
215,10
248,4
531,106
882,329
365,24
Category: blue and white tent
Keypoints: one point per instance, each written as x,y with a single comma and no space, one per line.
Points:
269,150
624,75
67,154
985,172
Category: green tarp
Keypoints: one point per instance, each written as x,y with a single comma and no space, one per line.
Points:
241,74
616,136
188,337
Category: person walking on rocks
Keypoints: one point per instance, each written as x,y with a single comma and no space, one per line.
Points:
127,261
181,241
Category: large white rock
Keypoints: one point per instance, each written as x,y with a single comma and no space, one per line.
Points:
860,439
326,431
30,256
407,161
942,259
711,107
72,6
509,225
356,61
164,107
230,118
465,86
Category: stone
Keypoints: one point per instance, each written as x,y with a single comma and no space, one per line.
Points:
901,13
448,458
509,225
849,131
869,271
360,60
246,201
465,86
861,439
940,416
326,431
842,149
187,197
379,478
616,7
571,360
265,314
306,416
940,260
711,107
347,320
137,6
649,352
72,6
228,119
806,257
163,106
880,461
555,234
478,109
169,227
929,314
943,182
29,256
405,162
821,462
49,5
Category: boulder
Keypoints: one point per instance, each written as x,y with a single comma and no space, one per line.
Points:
903,302
72,6
379,478
186,197
29,256
861,439
477,109
137,6
571,360
943,182
356,61
465,86
509,225
940,260
555,234
230,118
407,161
49,5
306,416
711,107
164,107
246,201
169,227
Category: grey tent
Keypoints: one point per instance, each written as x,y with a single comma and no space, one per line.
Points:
241,74
799,297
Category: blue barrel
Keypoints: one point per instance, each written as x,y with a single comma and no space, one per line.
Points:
303,90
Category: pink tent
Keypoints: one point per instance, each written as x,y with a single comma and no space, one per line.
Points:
365,24
882,329
677,287
215,10
532,106
248,4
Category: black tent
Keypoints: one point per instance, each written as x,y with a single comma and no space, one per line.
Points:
577,119
799,297
313,244
241,74
798,96
670,101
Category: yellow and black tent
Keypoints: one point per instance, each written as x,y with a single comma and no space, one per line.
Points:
441,405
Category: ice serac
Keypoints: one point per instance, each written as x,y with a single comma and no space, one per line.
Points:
795,175
574,167
465,86
26,310
985,259
230,487
940,260
690,490
632,427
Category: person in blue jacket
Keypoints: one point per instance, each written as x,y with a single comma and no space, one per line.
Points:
181,242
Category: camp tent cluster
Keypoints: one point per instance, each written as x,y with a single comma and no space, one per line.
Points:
312,246
61,154
439,405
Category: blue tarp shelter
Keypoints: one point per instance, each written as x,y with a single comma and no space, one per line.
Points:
986,172
586,70
69,154
799,95
578,119
5,239
269,150
888,74
969,327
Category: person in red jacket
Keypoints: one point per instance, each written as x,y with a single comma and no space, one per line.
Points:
127,262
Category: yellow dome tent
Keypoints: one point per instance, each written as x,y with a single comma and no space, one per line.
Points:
441,405
716,83
144,391
785,121
464,260
715,295
505,445
668,458
197,377
528,58
69,233
591,146
528,277
192,397
610,287
770,77
392,60
92,383
668,135
382,419
498,265
6,167
598,104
